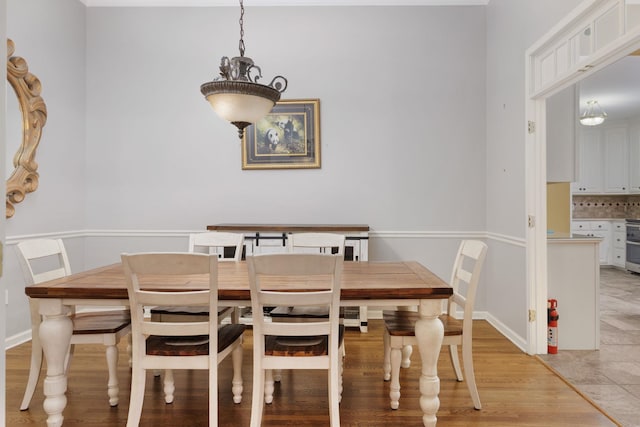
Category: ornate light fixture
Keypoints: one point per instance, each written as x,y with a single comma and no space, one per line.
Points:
236,95
593,115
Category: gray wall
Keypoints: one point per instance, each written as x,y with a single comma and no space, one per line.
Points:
3,93
393,84
50,35
422,129
512,26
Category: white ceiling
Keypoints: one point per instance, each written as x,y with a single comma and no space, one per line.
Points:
616,88
196,3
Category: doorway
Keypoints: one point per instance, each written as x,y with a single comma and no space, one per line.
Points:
595,35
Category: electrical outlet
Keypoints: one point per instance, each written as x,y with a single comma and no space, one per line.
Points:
6,297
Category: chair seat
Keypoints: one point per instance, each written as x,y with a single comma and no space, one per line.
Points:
403,323
300,346
186,311
306,312
196,345
107,322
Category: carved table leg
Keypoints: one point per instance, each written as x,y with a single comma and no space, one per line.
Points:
429,334
55,336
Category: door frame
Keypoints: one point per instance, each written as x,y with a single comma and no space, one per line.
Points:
548,71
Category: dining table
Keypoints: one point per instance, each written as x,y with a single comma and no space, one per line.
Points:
380,284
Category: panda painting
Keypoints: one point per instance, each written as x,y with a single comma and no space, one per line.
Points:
271,139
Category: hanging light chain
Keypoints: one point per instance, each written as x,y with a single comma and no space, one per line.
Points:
241,43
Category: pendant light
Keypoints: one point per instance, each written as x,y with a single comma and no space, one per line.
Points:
236,95
593,115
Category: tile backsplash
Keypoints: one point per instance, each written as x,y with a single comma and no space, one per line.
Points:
602,206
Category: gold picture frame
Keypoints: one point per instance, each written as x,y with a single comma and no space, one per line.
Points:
286,138
24,178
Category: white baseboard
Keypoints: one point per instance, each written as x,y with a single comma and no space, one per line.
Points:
516,339
18,339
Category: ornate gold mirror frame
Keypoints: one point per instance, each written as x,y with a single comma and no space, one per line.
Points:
24,178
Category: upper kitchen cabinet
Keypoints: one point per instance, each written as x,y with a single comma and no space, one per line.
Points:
634,159
603,161
616,160
590,163
561,135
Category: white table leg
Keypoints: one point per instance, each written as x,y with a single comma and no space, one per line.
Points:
429,334
55,336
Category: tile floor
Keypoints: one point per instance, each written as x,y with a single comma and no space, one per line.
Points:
611,376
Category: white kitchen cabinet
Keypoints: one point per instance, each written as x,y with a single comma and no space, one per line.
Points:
634,159
619,240
590,163
615,149
597,228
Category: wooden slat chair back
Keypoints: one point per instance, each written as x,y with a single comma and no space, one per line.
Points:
400,325
316,242
214,242
46,259
177,345
284,280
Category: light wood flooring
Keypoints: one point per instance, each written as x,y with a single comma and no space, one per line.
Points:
515,389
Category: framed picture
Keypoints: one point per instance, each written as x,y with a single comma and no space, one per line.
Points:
287,138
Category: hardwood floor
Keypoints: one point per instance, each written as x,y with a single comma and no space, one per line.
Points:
515,389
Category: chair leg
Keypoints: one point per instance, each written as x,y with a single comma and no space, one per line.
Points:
112,365
364,319
277,375
455,362
169,386
213,394
386,363
340,387
257,400
236,382
334,392
467,360
394,387
268,386
407,351
34,369
137,397
67,359
130,349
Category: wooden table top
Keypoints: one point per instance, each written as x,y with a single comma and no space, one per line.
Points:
289,227
360,281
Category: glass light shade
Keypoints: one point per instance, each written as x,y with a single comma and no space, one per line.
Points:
593,115
237,107
592,121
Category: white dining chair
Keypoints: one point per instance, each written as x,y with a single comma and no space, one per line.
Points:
46,259
275,281
219,244
178,345
326,243
400,325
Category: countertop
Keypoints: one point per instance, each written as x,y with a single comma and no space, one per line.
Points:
569,237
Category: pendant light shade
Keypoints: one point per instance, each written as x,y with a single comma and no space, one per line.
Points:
593,114
236,95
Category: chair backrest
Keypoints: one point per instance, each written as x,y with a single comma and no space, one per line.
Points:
281,280
316,242
466,271
214,242
147,273
50,257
